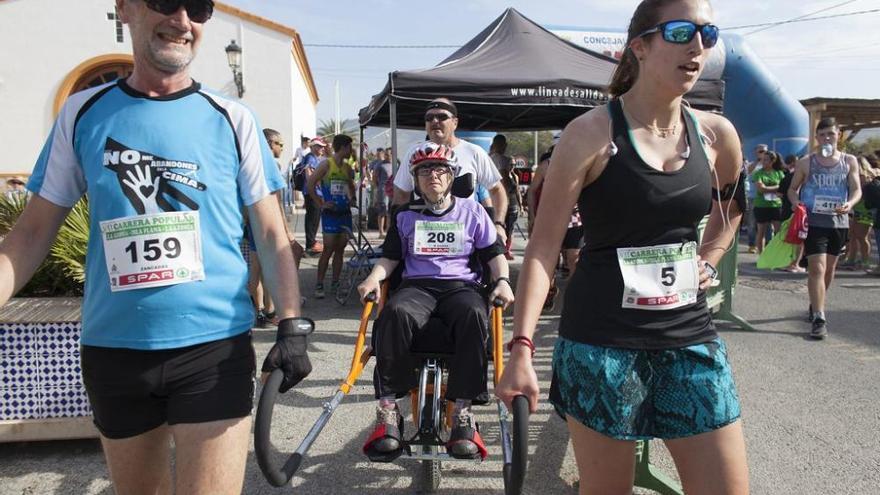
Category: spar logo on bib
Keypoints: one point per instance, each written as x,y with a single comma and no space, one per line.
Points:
655,301
146,278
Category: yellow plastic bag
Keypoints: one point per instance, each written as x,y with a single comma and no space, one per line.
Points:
778,253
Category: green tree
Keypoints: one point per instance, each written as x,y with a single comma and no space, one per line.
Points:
327,129
523,143
62,273
866,147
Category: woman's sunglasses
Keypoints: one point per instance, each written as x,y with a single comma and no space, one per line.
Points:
682,32
197,10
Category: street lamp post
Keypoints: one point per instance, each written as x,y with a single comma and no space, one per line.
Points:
233,56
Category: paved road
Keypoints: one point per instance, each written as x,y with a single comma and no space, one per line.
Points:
810,409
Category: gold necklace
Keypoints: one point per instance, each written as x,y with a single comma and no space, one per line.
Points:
661,132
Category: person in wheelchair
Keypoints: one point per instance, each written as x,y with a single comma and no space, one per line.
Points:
436,240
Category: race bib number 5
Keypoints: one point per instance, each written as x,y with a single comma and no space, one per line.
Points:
433,238
659,277
153,250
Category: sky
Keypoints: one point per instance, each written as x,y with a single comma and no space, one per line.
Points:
837,57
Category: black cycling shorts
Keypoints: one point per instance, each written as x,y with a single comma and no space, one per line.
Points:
133,391
823,240
765,215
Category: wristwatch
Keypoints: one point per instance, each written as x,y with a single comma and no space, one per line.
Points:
499,279
711,270
499,223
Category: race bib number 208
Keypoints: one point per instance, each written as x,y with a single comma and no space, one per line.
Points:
439,238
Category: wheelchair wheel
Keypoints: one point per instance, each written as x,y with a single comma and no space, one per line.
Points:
346,284
515,472
430,476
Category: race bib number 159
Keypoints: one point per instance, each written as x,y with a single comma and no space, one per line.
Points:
153,250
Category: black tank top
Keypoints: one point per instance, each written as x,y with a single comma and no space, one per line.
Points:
632,204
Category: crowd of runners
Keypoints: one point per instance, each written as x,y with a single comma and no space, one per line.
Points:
616,201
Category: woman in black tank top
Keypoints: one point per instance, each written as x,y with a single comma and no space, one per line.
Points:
637,355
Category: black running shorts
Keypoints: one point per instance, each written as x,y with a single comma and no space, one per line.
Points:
766,215
134,391
822,240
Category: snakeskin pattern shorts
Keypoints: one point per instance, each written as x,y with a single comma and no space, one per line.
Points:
640,394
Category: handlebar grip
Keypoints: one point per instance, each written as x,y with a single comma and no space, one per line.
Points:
371,297
497,302
263,448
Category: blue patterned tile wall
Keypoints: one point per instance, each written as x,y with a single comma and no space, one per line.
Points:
40,375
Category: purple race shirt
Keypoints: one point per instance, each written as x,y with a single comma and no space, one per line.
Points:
440,246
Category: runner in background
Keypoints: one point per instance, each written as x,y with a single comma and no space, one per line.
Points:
313,210
790,162
294,166
768,203
858,252
827,184
573,239
510,181
749,220
382,179
335,176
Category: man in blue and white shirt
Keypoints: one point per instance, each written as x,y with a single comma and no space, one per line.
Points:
166,348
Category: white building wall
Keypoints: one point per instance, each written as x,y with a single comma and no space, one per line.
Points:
46,39
303,110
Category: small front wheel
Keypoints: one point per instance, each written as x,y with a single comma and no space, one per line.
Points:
430,476
515,472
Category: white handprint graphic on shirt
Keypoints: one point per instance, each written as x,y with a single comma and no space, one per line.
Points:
144,187
151,182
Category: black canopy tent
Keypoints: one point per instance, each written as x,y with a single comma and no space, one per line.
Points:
513,76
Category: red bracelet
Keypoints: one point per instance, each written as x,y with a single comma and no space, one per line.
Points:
521,339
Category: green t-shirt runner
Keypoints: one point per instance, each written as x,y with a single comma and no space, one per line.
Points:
769,178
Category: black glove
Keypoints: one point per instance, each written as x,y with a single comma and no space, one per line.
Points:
290,351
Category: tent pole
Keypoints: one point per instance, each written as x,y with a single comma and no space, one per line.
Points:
536,148
360,191
392,112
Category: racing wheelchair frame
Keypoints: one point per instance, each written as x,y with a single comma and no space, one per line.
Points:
426,444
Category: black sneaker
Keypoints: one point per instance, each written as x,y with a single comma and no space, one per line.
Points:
261,319
820,329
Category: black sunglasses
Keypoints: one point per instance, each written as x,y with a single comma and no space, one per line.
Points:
197,10
442,117
682,32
